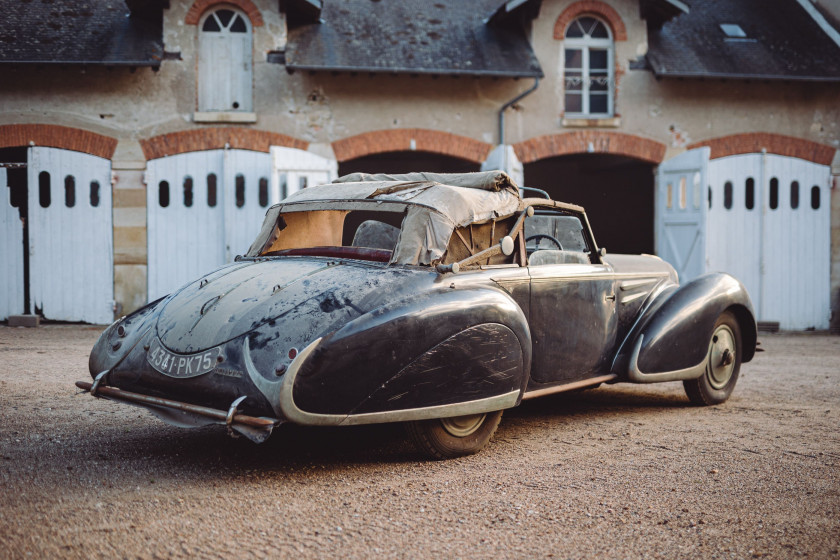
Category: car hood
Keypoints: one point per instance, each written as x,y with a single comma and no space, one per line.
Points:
315,294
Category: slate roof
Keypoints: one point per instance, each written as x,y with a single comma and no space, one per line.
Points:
782,42
414,36
79,32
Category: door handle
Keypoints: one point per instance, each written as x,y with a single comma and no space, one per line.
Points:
610,297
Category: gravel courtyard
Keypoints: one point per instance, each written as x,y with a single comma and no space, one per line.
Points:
618,472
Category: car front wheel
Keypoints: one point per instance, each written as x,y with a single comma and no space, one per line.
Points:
447,438
722,366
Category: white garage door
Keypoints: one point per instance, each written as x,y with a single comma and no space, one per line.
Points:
204,208
71,255
769,225
11,254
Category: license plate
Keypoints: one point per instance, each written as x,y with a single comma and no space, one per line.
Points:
181,365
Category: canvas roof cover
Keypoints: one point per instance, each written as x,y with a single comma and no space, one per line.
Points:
435,205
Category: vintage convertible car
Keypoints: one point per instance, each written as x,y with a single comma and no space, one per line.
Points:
435,300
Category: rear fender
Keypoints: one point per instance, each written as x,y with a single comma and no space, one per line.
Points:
422,356
669,341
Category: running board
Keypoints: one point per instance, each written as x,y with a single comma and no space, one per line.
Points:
569,386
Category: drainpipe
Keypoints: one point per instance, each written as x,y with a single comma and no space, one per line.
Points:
508,104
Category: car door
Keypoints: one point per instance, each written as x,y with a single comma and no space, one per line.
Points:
573,312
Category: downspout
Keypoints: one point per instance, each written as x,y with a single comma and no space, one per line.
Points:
508,104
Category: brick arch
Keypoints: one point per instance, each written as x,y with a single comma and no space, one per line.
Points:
215,138
779,144
55,136
200,6
411,139
594,7
590,141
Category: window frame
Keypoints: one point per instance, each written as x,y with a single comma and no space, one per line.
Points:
585,44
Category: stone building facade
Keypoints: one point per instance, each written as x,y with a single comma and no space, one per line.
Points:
680,134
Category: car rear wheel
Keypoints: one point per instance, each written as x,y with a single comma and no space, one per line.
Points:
722,366
447,438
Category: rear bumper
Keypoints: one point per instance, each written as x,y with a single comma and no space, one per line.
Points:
255,428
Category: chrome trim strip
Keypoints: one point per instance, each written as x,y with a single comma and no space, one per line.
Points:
632,297
630,284
270,389
585,275
292,413
636,375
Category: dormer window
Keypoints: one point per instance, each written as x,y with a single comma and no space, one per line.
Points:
225,62
588,69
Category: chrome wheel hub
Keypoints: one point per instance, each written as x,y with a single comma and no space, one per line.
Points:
721,357
462,426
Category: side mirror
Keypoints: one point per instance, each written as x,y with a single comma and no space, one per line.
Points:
507,245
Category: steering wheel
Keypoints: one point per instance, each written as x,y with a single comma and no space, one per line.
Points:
539,236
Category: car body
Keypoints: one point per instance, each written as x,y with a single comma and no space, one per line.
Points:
436,300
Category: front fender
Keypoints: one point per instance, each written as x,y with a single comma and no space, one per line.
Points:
434,350
670,340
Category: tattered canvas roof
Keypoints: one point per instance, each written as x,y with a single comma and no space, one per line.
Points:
433,209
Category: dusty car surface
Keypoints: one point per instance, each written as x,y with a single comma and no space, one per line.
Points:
435,300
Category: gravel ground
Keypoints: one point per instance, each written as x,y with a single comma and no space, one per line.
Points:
618,472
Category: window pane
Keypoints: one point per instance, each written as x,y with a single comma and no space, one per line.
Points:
284,187
774,193
44,195
263,192
224,16
669,198
574,103
815,197
710,196
188,191
303,182
575,30
598,82
588,24
211,190
210,24
600,31
240,191
238,25
727,195
69,191
163,194
574,58
94,193
598,103
749,194
682,193
794,195
598,59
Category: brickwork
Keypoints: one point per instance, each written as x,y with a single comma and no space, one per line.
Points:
54,136
754,142
593,7
200,6
215,138
398,140
589,141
